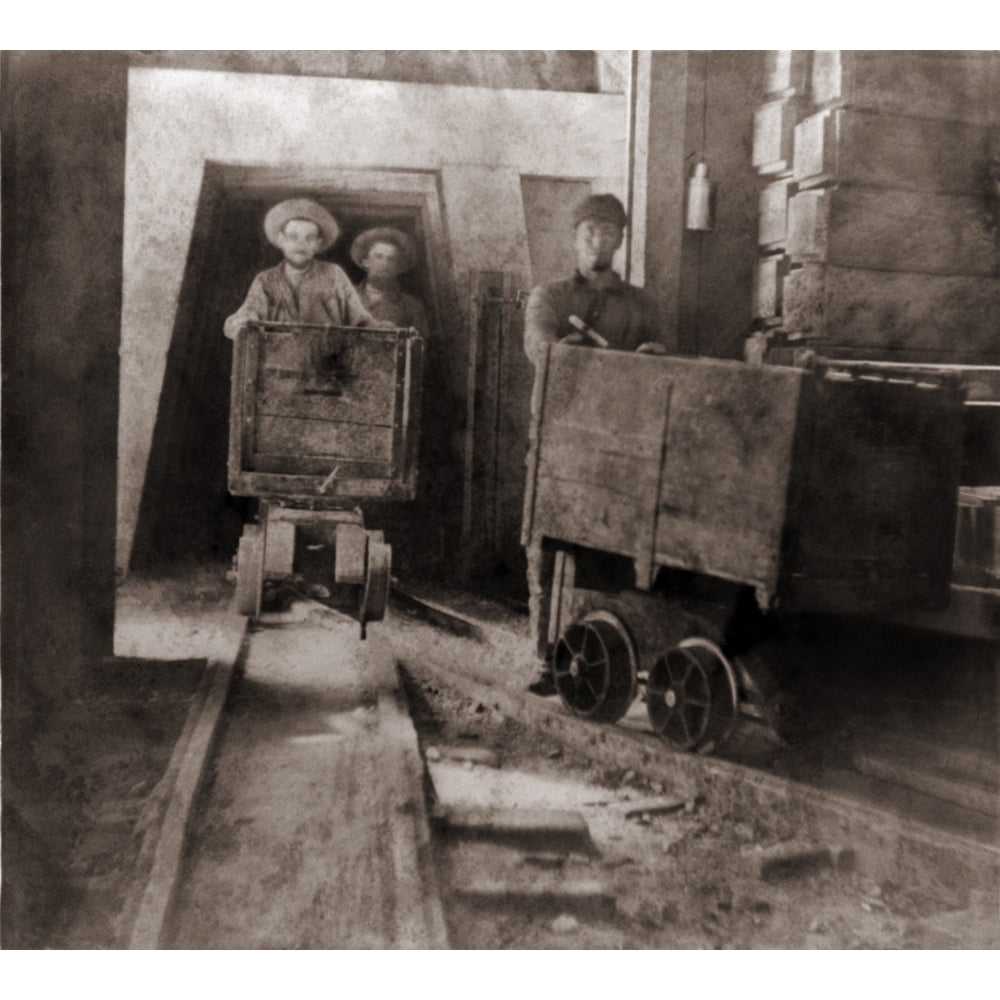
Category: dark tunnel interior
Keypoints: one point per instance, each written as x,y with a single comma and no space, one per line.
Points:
187,513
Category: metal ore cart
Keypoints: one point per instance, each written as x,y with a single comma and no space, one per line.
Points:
322,419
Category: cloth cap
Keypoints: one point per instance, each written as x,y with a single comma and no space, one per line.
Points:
301,208
601,207
385,234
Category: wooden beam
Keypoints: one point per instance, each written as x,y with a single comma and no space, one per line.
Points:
773,135
787,71
768,288
892,231
773,212
847,146
953,85
894,310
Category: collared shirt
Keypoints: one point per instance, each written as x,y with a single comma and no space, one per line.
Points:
396,306
622,314
324,295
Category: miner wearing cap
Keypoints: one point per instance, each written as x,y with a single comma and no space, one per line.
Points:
385,253
592,308
301,289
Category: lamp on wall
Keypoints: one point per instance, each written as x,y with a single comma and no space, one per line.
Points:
700,214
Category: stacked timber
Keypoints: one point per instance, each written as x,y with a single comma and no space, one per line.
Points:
786,88
891,237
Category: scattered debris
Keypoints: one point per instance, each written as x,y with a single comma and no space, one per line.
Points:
794,859
649,807
640,910
465,755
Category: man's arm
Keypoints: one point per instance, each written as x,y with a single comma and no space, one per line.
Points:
651,326
254,308
541,323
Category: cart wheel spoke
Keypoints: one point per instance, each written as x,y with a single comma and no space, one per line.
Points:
594,667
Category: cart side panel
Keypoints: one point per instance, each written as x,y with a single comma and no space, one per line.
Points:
877,475
320,412
723,498
672,461
599,442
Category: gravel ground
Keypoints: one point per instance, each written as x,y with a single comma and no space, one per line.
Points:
689,879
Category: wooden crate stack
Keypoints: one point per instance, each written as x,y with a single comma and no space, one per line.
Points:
888,245
787,79
880,227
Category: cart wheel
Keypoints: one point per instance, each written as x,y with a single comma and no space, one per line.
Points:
594,667
692,696
250,571
375,595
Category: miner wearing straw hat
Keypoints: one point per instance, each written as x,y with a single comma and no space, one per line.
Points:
385,253
301,289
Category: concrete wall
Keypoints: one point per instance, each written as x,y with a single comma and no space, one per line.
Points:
478,141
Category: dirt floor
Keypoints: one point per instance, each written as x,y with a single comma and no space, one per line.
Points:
98,761
88,787
687,879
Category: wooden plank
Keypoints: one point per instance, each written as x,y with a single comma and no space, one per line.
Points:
376,408
311,438
768,286
926,84
531,462
279,549
874,453
891,231
895,310
773,211
184,775
787,70
728,461
418,914
848,146
496,821
592,459
598,517
599,389
774,135
282,486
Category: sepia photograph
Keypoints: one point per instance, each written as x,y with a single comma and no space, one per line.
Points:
500,499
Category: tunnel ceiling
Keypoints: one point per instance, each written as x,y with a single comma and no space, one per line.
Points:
581,70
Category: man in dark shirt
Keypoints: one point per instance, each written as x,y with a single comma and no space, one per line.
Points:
592,308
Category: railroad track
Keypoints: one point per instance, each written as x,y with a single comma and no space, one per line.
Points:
930,806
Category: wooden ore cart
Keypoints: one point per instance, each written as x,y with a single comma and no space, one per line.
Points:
686,503
322,419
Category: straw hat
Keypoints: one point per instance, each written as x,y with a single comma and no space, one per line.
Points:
301,208
385,234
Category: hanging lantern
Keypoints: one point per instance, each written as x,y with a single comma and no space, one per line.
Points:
701,200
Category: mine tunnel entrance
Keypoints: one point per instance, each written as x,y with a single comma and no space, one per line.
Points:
187,513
